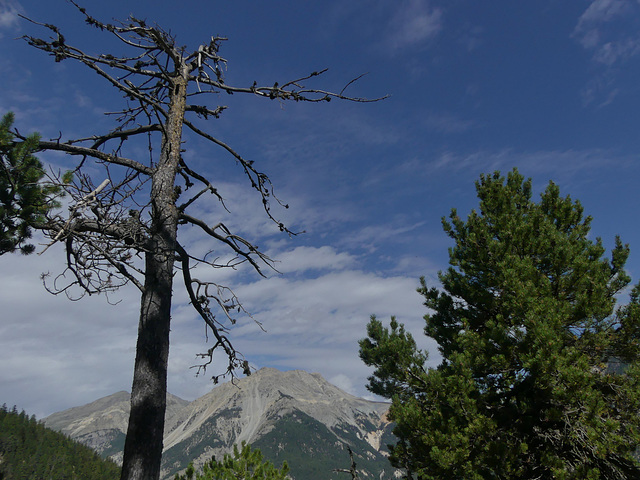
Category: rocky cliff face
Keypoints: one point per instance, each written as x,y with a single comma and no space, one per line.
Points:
293,416
102,425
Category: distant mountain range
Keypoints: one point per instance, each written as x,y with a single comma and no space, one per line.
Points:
294,416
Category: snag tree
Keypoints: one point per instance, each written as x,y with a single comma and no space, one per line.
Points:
122,226
540,374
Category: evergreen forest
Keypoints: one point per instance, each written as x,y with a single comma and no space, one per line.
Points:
29,450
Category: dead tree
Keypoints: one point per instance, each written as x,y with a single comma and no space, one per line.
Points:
122,227
353,471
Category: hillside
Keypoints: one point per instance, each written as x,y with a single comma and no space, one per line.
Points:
28,450
293,416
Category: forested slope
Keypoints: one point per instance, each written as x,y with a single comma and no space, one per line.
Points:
29,450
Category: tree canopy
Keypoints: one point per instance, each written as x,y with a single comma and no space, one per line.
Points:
24,199
540,374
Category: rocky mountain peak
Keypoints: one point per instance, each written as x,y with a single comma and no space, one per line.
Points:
268,407
270,394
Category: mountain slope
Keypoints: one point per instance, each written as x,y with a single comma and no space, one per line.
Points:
102,425
293,416
30,450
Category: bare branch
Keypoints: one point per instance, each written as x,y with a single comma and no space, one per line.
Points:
90,152
259,181
187,172
155,35
86,200
99,140
201,299
204,112
352,82
299,94
241,247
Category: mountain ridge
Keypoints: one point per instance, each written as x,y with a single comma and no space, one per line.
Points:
318,393
287,414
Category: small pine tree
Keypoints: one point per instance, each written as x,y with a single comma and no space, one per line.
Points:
244,464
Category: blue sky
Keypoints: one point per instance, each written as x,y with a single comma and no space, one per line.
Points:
549,87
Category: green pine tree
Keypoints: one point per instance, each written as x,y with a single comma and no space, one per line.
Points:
24,198
244,464
540,372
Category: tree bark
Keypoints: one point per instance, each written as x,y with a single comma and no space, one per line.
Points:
143,444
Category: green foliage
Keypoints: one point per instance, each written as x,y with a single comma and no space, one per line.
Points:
24,199
30,450
529,333
244,464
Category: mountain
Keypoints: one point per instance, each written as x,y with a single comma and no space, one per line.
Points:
294,416
102,425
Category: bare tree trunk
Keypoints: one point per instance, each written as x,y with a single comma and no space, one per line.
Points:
148,393
143,444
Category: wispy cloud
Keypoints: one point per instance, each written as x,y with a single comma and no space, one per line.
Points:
609,30
9,11
600,12
305,259
600,90
445,122
339,305
414,23
558,162
372,236
612,52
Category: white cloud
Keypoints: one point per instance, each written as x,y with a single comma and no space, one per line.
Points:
608,29
55,354
414,23
600,11
9,11
302,259
612,52
602,29
343,381
312,324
